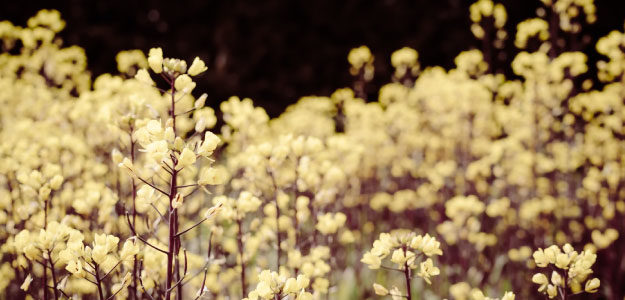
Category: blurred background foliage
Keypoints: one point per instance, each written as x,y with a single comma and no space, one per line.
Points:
275,51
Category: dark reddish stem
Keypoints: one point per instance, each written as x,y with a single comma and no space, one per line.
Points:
240,244
407,276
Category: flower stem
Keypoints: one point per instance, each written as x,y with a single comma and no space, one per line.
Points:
98,282
279,240
407,276
172,194
54,282
240,244
45,271
133,285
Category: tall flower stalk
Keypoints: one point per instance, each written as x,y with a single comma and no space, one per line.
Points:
167,150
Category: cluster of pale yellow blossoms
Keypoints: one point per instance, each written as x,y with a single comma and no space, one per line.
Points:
571,270
361,59
484,10
463,291
122,187
405,249
272,285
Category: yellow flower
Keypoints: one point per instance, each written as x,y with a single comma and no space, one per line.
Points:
98,254
540,258
143,76
209,144
130,58
380,290
592,285
290,287
155,60
247,202
551,253
541,279
359,56
75,267
303,295
264,290
197,67
398,257
174,65
552,291
302,281
184,84
126,280
556,279
129,250
56,181
508,296
330,223
427,270
396,294
373,261
212,176
321,285
213,210
476,294
427,244
147,195
177,201
562,260
27,282
404,56
187,158
199,102
157,150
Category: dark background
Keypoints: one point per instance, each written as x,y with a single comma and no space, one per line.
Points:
275,51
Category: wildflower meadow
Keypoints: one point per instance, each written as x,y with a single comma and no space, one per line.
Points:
462,183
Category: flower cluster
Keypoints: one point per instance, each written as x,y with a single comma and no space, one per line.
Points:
274,286
463,291
405,249
571,270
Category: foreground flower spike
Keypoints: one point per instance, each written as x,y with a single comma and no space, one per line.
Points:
570,271
405,248
174,165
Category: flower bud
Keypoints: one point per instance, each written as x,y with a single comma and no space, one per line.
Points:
380,290
592,285
155,60
187,158
197,67
116,156
184,83
26,283
144,77
178,201
199,103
